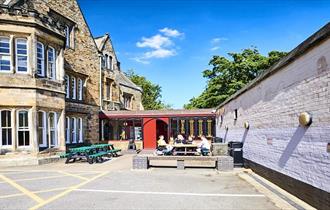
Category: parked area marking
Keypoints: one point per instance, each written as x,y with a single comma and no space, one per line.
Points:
172,193
33,194
39,191
49,177
22,189
43,203
73,175
32,189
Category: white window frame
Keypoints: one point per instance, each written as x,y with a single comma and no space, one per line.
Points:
80,130
106,61
43,73
127,101
110,62
67,86
67,130
73,130
74,87
52,129
51,66
44,128
22,55
7,54
26,128
103,62
11,128
67,36
80,89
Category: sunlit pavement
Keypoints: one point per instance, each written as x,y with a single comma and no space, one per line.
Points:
113,185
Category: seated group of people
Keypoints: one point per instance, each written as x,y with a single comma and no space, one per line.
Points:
164,148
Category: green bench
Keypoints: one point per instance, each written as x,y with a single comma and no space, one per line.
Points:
92,154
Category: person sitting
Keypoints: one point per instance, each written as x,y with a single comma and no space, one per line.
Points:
161,141
190,139
204,146
180,139
163,148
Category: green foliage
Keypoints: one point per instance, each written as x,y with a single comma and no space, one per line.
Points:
229,75
151,96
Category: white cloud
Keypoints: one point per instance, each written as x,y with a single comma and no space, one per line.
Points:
159,53
141,60
215,42
215,48
171,32
155,42
159,45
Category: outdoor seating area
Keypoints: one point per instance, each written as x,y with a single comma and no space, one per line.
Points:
92,154
183,147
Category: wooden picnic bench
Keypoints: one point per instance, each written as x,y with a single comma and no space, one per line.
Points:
92,153
185,149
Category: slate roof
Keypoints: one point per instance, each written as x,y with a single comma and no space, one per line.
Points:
122,79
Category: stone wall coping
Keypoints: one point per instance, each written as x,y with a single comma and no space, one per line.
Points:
199,158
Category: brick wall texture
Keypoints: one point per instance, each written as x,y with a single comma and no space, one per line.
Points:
275,139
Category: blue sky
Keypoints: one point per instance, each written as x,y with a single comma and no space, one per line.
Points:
171,41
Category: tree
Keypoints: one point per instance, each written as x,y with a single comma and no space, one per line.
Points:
151,96
229,75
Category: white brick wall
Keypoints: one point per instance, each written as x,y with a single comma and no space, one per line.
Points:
272,107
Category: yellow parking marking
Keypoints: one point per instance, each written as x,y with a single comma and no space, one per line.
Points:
39,191
22,189
34,171
48,177
70,189
73,175
12,195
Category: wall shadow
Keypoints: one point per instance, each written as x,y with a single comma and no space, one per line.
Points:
225,136
245,135
294,141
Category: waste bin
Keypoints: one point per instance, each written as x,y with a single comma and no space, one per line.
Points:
235,149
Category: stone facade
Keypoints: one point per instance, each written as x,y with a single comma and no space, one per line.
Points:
118,91
50,76
271,105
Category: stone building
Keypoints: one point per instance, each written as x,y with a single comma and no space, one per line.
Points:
52,76
118,91
264,116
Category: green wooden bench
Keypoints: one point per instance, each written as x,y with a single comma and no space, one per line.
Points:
92,154
114,152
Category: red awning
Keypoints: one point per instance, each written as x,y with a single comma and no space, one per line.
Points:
158,113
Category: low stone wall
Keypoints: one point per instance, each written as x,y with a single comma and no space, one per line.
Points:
222,163
219,149
27,161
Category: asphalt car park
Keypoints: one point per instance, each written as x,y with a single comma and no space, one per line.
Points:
114,185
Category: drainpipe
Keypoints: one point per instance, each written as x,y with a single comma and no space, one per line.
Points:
101,100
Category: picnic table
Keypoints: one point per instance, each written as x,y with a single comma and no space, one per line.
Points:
185,149
92,153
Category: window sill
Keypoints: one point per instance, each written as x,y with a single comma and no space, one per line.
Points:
75,101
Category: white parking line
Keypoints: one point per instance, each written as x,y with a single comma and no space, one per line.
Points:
172,193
